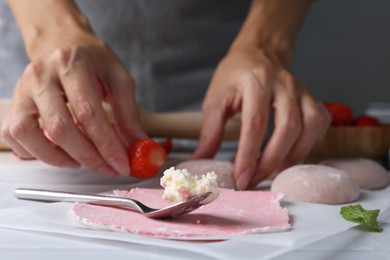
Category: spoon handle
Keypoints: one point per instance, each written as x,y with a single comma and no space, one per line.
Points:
60,196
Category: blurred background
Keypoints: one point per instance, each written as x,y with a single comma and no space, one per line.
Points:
343,52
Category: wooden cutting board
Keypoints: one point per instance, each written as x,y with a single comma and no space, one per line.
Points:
352,141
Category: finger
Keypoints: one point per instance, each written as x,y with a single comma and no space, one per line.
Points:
24,127
17,149
287,128
255,115
81,90
62,130
125,111
211,133
313,124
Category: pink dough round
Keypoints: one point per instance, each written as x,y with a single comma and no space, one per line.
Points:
367,173
223,169
316,184
233,213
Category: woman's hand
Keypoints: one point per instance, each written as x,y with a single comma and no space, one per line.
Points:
256,84
64,86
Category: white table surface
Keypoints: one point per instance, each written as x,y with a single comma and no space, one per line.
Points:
318,231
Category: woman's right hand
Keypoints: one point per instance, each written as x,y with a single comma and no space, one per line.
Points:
64,86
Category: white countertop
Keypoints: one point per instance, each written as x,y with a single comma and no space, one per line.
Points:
35,230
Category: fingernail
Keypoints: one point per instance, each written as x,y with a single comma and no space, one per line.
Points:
122,166
244,179
71,164
107,171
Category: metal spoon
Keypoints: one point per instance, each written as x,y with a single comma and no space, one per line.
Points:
174,210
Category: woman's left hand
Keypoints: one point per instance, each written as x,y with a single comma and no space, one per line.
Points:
255,83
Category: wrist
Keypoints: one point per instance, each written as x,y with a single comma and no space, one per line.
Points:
48,22
272,25
40,38
279,48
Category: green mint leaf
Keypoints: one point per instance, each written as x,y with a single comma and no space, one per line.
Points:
357,214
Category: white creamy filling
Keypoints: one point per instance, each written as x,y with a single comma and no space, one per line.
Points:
180,185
